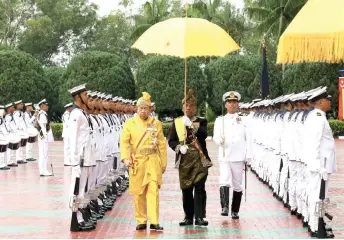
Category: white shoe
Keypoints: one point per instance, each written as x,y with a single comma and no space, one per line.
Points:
47,173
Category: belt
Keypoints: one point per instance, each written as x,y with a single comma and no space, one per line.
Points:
147,151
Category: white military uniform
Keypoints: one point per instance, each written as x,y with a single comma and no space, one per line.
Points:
21,130
79,138
44,138
12,130
321,159
3,141
66,145
232,127
29,119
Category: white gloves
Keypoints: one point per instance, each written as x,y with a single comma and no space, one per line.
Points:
323,173
187,122
222,141
183,149
76,171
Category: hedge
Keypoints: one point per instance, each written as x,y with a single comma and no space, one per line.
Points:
336,125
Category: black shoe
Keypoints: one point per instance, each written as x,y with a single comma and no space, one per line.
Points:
141,227
298,215
83,227
313,234
224,197
293,212
235,215
5,168
305,224
13,165
225,211
29,159
201,222
156,227
67,165
186,222
329,234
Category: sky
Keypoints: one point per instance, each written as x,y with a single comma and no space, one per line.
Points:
106,6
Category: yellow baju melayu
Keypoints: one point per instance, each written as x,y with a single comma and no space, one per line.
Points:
143,143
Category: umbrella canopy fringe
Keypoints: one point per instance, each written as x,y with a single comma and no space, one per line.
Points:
311,48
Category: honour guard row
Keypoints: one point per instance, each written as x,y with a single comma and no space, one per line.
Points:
293,151
91,133
17,134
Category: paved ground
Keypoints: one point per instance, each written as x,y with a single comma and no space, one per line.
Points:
34,207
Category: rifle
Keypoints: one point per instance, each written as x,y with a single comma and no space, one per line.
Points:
321,207
74,225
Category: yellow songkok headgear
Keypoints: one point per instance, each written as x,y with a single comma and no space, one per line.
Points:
144,100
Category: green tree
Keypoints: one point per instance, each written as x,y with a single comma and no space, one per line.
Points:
272,17
14,15
112,34
55,76
151,13
239,73
306,76
21,77
163,78
104,72
58,26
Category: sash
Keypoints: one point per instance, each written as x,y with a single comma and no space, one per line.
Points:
180,129
132,157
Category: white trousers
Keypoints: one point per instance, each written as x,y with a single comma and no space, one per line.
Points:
66,151
9,158
43,154
20,154
93,177
102,173
231,172
314,192
3,159
29,150
293,171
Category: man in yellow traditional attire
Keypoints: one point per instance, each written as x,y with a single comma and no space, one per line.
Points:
143,150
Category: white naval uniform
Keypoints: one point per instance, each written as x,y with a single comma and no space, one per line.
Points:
65,129
320,147
3,139
12,130
18,118
29,119
231,165
117,140
44,138
79,138
106,151
96,143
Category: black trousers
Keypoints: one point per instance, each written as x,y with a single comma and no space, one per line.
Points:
194,203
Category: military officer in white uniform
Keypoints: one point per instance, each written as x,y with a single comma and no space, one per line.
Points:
321,157
79,126
18,117
44,138
29,119
230,134
65,117
3,140
11,127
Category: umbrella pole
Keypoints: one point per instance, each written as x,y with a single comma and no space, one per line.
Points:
185,82
185,67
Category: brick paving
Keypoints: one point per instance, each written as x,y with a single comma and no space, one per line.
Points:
34,207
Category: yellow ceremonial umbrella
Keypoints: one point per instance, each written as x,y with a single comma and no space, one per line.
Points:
315,35
186,37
